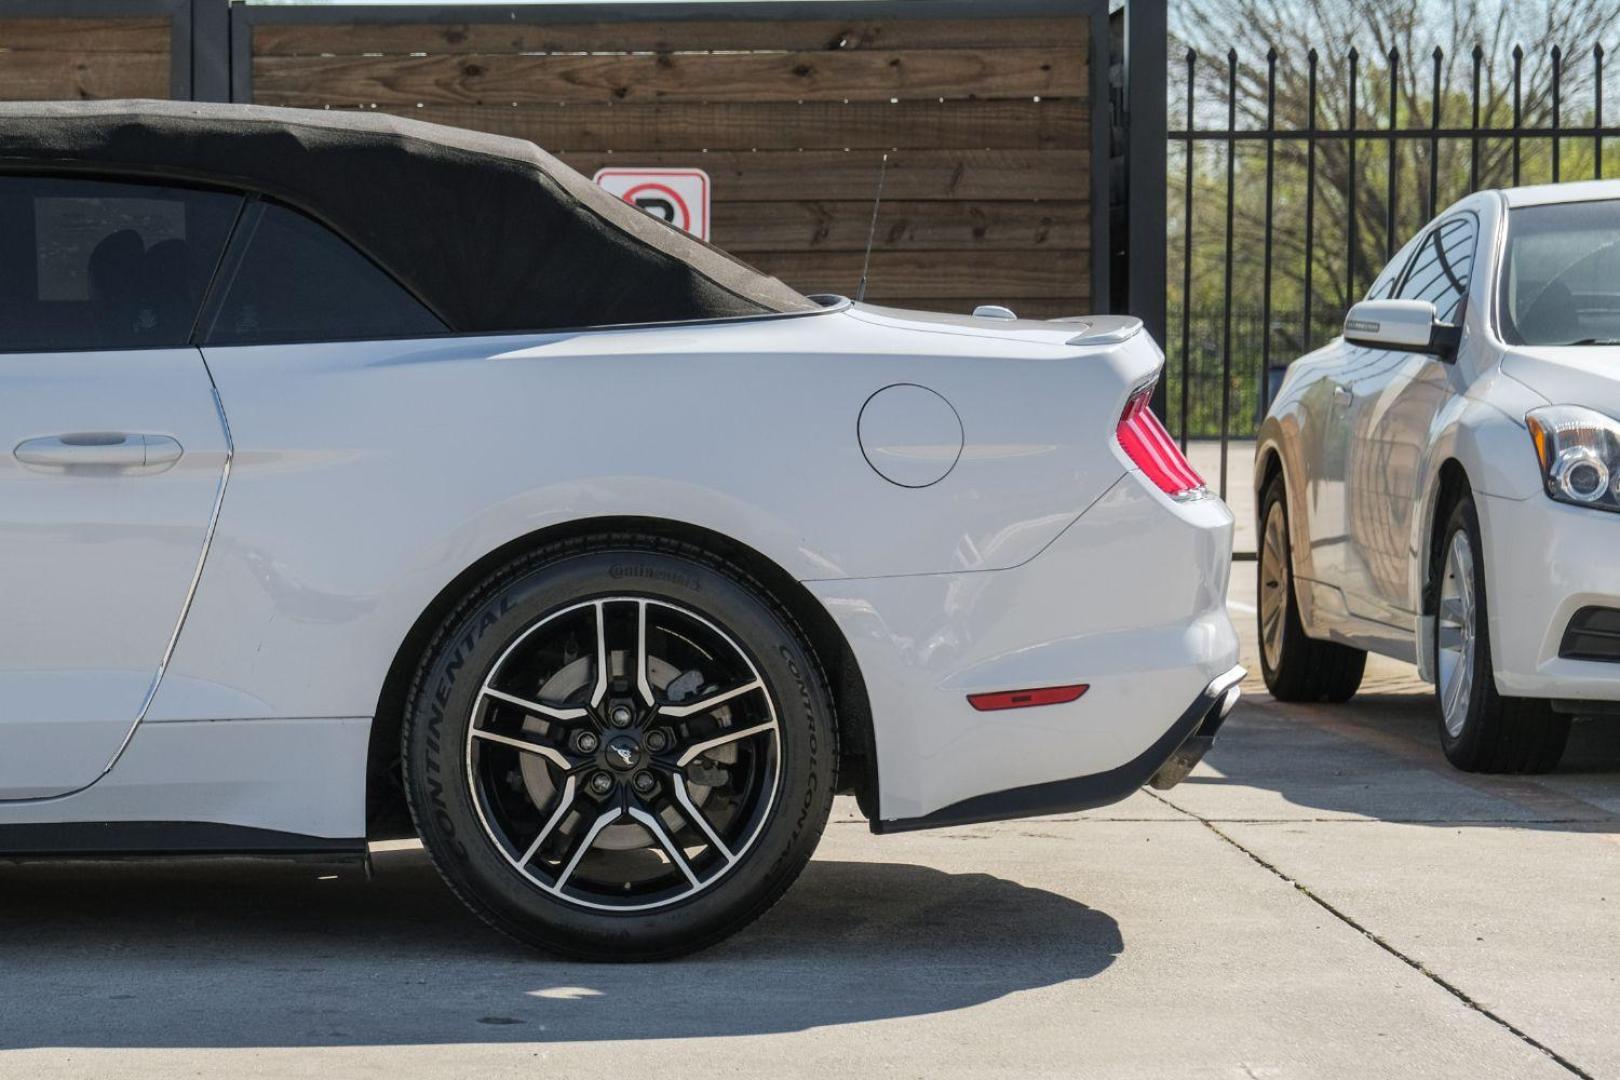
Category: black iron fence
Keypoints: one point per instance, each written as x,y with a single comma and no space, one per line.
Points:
1205,333
1294,180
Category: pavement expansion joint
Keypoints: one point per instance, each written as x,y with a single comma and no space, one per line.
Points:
1416,965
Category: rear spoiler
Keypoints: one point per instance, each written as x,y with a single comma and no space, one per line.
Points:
1102,329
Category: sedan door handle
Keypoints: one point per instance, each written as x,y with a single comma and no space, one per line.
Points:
98,449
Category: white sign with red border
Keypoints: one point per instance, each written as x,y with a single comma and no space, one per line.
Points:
678,196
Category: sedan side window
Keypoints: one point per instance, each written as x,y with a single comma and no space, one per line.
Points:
94,264
1441,267
299,281
1383,286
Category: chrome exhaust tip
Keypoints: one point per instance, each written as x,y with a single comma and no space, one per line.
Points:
1182,762
1192,751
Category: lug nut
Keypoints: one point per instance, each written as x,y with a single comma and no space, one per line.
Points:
644,782
621,716
601,783
586,742
657,740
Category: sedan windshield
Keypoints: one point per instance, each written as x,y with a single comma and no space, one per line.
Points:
1561,277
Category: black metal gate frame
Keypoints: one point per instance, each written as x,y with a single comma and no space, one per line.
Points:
1389,135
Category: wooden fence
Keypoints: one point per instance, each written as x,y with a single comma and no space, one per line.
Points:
101,50
984,110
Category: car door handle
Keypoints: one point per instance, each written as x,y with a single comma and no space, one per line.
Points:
99,449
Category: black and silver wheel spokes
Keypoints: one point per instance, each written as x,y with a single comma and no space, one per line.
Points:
624,753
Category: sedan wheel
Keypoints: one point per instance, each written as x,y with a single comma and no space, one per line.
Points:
1480,730
620,773
1456,634
1273,584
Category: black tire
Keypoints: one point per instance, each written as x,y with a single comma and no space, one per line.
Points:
1298,668
473,640
1497,734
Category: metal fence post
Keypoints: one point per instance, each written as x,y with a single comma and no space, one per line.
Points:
210,50
1147,126
1103,300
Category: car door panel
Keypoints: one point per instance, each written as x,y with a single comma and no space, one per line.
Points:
97,560
1325,441
1393,429
1326,438
1397,399
113,457
1373,385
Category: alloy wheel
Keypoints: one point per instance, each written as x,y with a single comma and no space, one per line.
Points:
1273,585
1456,633
624,753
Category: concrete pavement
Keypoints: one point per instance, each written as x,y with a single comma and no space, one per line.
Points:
1323,898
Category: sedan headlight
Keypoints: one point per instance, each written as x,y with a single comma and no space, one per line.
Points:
1579,450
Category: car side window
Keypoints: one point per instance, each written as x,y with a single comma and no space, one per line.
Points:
100,264
1442,266
1383,286
299,281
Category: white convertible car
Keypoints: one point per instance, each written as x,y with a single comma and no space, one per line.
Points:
1442,483
370,479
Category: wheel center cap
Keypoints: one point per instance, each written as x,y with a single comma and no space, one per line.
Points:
623,753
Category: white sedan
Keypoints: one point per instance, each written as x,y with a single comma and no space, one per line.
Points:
1442,483
367,479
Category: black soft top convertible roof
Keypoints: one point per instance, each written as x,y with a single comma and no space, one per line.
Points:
490,232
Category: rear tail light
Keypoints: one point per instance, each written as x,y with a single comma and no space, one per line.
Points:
1149,446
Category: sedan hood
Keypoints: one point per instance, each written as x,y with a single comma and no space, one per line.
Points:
1570,375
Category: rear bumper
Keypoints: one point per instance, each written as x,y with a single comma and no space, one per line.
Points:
1163,765
1130,600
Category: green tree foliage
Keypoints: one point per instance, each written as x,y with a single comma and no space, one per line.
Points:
1399,49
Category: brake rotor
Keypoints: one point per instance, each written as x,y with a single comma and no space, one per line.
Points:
671,684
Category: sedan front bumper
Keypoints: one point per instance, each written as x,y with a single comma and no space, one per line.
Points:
1545,561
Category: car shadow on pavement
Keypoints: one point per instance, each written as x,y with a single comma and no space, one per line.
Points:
251,954
1379,756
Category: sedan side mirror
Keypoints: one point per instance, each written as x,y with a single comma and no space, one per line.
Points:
1403,326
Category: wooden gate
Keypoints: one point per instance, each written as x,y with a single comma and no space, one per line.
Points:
69,49
990,114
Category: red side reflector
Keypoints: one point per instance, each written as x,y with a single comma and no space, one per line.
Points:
1147,443
1023,699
